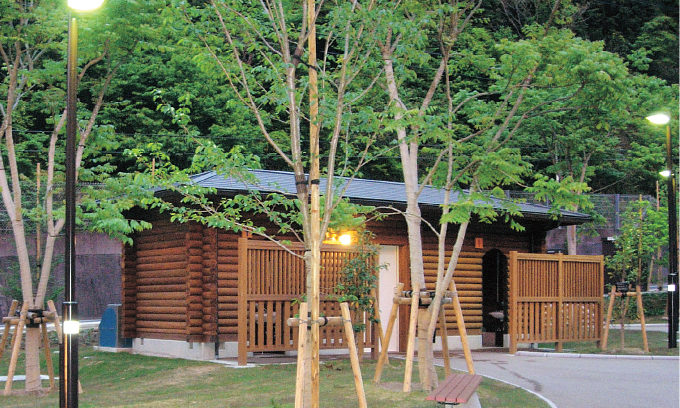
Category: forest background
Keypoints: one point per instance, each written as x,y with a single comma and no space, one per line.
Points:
529,102
149,88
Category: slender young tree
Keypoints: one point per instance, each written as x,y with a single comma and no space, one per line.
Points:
32,40
300,68
467,124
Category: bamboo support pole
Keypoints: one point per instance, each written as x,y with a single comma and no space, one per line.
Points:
610,310
332,321
513,278
16,346
48,355
410,346
641,313
622,332
423,301
445,341
8,325
380,338
424,294
300,374
57,322
388,336
353,357
462,330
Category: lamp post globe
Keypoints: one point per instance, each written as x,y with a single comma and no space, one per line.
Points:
84,5
659,118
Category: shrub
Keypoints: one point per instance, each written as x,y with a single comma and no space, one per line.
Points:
654,304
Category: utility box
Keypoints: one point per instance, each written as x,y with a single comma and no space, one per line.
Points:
110,328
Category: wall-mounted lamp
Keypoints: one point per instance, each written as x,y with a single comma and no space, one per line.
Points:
344,238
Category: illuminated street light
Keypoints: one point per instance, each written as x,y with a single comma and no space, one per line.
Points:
84,5
68,351
664,119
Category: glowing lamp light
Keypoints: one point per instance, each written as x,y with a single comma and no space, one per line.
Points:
659,118
71,326
85,5
345,239
665,173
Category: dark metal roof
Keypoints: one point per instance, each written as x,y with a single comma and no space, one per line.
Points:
374,192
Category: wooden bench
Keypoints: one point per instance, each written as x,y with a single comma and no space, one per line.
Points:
455,389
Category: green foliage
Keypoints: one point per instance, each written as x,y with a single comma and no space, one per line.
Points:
358,279
644,230
12,287
561,194
654,304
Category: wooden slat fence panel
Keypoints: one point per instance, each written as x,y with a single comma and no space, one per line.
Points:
271,280
555,298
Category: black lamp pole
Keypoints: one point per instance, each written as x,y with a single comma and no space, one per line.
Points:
672,248
68,356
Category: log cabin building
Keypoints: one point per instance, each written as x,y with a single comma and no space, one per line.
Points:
197,292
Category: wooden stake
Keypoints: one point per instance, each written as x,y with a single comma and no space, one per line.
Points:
16,346
641,313
410,346
353,357
388,335
302,342
610,310
445,341
8,325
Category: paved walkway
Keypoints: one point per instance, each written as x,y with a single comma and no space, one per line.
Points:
589,382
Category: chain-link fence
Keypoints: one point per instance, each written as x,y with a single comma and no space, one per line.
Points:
610,206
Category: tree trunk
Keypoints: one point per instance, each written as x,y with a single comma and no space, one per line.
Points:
571,240
32,354
428,375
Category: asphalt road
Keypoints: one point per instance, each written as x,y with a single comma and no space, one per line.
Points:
586,382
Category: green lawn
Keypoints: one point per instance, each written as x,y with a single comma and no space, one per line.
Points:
125,380
658,344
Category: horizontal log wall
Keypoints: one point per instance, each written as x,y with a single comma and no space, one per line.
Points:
468,273
155,283
181,281
468,279
227,285
129,291
209,284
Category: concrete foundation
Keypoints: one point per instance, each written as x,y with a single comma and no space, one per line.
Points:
229,349
474,341
174,349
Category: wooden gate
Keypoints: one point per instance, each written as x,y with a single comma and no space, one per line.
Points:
555,298
271,281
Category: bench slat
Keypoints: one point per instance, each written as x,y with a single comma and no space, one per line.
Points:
456,388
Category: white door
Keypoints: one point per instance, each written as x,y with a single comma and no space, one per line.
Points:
389,277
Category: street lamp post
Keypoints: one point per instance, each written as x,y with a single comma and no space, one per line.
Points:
68,353
664,119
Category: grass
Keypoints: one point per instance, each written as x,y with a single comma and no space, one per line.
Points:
125,380
658,344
